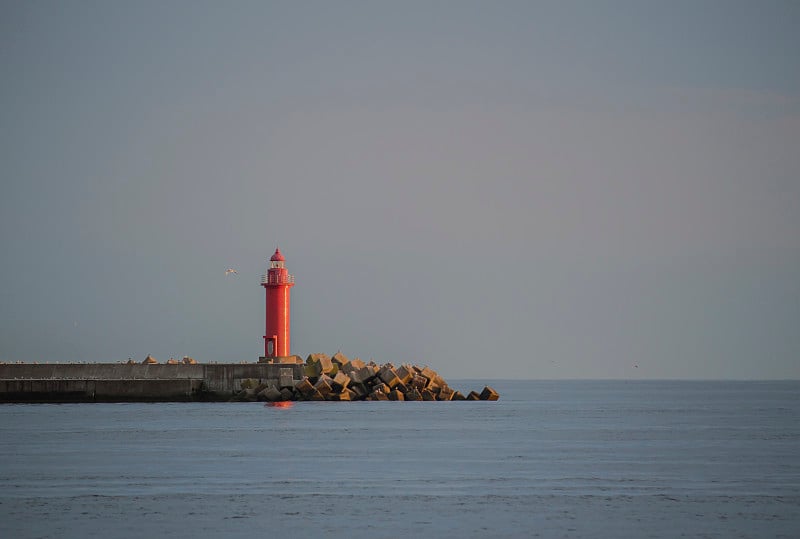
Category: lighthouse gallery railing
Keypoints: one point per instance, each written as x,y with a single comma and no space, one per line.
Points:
277,279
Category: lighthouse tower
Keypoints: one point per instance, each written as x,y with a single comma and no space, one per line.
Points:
277,282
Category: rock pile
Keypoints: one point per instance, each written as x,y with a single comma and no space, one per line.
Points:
338,378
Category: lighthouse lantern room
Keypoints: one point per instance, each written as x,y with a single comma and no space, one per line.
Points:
277,282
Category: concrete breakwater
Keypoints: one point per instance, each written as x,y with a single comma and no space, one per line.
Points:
338,378
118,382
288,379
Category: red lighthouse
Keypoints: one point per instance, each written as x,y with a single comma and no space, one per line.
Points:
277,283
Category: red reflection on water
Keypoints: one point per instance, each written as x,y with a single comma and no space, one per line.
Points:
281,404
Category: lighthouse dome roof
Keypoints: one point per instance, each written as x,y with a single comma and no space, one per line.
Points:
277,257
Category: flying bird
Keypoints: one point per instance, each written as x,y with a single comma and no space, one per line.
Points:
231,270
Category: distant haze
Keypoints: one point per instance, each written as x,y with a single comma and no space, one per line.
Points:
498,189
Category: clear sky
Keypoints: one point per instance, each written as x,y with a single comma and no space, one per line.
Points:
498,189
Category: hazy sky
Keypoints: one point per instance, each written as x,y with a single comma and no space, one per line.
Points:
497,189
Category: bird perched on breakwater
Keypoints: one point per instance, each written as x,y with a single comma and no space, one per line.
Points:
231,270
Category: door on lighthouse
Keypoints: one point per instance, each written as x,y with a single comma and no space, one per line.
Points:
272,346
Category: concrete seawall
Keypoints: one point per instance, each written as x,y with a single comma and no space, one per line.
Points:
116,382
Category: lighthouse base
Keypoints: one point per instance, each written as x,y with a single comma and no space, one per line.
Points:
285,360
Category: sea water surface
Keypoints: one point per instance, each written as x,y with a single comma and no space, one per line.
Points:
549,459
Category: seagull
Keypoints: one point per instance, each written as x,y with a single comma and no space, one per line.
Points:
231,270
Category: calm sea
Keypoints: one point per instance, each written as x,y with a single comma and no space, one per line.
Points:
550,459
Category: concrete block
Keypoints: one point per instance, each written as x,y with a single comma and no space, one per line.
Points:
458,396
304,386
322,364
359,390
343,395
428,373
313,358
473,396
427,395
310,371
286,377
328,367
489,394
364,375
315,396
395,395
388,376
340,359
383,388
340,381
357,363
348,368
405,373
445,394
323,385
419,382
374,369
313,370
413,395
378,396
356,377
287,394
270,394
